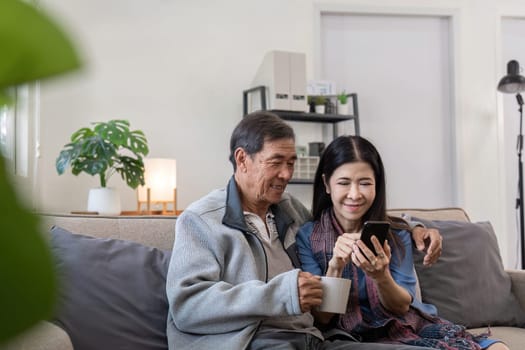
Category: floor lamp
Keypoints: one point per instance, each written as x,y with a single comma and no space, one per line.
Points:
514,83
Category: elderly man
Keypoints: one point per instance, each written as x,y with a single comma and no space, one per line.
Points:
233,280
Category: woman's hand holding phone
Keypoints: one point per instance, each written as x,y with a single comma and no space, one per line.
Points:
372,252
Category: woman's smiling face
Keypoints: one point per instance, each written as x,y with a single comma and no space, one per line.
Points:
352,189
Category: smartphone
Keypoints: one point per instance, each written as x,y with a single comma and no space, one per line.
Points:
374,228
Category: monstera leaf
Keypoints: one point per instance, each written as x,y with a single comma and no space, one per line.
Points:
32,47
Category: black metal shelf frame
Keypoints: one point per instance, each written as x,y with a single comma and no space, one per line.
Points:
298,116
304,116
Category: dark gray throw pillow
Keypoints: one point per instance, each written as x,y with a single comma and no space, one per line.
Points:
468,284
113,293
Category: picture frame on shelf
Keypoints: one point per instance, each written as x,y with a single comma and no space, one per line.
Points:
321,87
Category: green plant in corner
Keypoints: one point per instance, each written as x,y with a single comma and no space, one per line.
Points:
33,47
108,148
342,98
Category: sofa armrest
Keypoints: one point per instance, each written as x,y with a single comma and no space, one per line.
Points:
517,278
44,336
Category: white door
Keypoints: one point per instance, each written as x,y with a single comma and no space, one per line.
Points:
400,67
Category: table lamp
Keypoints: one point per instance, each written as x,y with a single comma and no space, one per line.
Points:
160,186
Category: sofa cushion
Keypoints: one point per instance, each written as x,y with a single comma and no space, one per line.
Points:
113,292
468,284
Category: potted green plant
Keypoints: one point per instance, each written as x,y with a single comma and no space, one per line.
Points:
342,103
107,148
320,104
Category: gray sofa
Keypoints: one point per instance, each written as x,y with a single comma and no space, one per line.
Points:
475,305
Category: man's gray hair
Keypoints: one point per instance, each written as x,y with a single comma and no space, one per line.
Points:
255,129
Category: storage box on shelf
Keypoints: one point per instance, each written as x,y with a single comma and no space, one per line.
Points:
304,169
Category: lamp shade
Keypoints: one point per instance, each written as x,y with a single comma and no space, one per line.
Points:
160,178
513,82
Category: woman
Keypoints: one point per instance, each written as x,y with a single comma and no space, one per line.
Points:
349,189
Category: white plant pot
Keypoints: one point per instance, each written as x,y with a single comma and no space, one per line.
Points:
320,109
105,201
342,108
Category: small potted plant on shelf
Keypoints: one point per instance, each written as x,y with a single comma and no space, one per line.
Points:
108,148
311,104
320,104
342,103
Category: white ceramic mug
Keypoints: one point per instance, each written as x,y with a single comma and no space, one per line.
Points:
335,294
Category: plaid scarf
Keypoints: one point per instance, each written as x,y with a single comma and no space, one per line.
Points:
377,324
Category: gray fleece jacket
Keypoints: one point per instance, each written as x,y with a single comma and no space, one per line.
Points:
217,284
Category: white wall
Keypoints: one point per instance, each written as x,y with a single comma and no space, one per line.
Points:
176,69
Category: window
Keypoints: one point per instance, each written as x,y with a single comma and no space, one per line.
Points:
7,135
19,138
